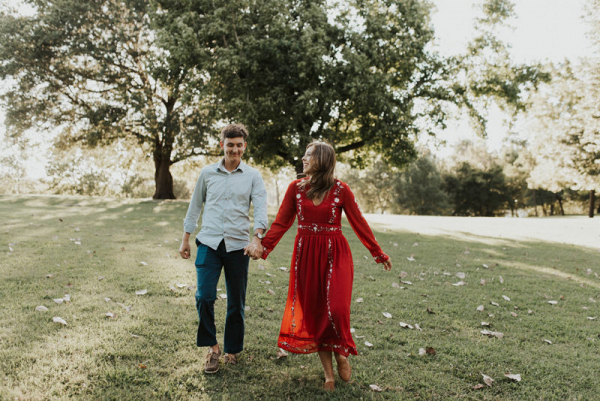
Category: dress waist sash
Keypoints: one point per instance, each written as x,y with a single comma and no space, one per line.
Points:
319,228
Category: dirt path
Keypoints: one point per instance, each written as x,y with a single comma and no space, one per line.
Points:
576,230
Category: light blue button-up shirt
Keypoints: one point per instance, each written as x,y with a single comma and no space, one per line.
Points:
226,197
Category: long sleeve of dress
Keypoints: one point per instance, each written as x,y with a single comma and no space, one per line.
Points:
361,227
284,220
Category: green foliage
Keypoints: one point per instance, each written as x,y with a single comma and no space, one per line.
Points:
476,192
420,189
374,186
101,72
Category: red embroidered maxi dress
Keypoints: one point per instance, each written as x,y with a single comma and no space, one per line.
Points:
317,310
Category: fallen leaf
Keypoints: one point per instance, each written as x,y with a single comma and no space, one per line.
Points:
270,291
142,366
281,353
368,344
418,327
591,318
430,311
516,377
109,315
49,276
359,300
41,308
506,298
283,268
403,274
127,308
548,341
492,333
388,315
100,278
495,303
59,300
478,386
552,302
482,282
181,285
430,351
459,284
487,380
223,296
59,320
143,263
67,298
395,285
261,267
486,266
461,275
406,325
107,299
410,259
141,292
375,387
501,279
422,351
480,308
485,324
406,282
513,314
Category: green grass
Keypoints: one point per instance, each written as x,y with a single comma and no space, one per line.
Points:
149,351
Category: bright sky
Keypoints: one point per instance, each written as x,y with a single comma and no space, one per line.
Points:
545,30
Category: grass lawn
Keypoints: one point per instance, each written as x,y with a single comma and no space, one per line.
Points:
100,252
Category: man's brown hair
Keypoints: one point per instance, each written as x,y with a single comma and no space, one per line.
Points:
234,131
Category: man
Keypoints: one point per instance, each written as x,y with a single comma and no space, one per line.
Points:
226,190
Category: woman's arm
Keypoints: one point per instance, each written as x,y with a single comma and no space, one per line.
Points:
284,220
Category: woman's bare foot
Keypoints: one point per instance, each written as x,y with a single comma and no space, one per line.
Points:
344,368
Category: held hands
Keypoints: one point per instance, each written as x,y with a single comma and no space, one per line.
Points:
254,249
387,265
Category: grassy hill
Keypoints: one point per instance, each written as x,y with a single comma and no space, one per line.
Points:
99,252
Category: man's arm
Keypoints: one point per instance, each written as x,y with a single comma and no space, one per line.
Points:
190,223
259,199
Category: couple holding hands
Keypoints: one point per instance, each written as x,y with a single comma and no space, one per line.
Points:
317,310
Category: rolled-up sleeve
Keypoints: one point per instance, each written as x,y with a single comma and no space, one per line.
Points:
190,223
259,200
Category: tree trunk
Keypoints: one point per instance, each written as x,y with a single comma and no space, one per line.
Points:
299,168
277,191
535,202
162,176
592,203
560,204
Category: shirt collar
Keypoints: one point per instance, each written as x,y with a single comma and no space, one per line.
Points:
242,166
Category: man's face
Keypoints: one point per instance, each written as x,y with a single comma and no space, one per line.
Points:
233,148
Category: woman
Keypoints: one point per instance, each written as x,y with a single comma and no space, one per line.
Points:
317,310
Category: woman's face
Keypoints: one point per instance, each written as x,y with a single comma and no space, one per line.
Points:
308,162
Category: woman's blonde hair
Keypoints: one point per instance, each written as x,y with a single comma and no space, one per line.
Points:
321,179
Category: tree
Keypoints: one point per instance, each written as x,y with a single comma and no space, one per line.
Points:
420,189
104,70
357,74
564,132
374,186
476,192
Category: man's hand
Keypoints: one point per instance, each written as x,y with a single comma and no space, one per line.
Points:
184,250
387,265
254,249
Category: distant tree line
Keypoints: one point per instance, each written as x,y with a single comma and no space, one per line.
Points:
475,183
